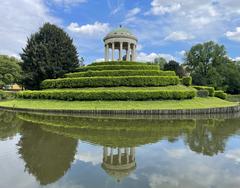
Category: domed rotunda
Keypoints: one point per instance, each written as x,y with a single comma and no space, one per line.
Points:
123,40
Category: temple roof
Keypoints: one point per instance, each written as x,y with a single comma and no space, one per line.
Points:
120,32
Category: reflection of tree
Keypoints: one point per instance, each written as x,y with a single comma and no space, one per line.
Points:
47,156
113,132
9,124
210,136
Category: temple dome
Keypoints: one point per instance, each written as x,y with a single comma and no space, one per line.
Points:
120,32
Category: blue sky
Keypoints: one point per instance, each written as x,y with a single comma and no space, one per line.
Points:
164,28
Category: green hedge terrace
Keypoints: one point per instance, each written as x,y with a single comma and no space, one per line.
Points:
118,67
120,73
210,90
135,81
70,95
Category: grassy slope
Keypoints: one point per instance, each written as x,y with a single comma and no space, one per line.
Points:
195,103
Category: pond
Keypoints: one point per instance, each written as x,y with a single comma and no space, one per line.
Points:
49,150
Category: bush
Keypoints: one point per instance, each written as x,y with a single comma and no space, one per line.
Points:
108,94
120,73
118,67
6,95
187,81
202,93
220,94
209,89
137,81
117,63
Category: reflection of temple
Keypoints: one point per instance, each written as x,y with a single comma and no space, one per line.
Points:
119,162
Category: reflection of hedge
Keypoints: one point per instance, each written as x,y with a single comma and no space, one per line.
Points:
119,67
138,81
108,94
112,132
121,73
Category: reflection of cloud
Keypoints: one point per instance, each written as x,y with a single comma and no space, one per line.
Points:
157,180
93,158
177,153
234,155
133,176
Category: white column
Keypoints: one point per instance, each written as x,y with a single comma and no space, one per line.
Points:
132,153
134,53
113,49
107,55
105,52
120,51
127,155
128,52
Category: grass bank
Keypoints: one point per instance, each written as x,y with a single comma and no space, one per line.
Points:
196,103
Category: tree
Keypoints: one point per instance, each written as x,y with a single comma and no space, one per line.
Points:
202,62
175,66
49,54
10,70
160,61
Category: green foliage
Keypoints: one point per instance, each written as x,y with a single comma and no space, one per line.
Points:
160,61
108,94
137,81
121,73
202,93
233,98
117,63
49,53
175,66
220,94
10,70
187,80
118,67
6,95
210,90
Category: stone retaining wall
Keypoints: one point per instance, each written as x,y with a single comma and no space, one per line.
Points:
220,110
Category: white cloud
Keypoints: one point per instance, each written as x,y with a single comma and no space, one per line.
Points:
179,35
233,35
69,2
143,57
99,60
160,7
95,29
18,21
182,52
133,12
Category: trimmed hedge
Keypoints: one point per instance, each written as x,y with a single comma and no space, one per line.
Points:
187,81
202,93
108,95
117,63
220,94
120,73
137,81
210,90
118,67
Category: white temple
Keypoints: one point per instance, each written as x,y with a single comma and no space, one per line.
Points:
123,40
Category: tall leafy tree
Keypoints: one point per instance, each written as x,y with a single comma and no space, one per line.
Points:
160,61
203,61
49,53
175,66
10,70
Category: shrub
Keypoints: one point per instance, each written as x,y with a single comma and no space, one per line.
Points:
137,81
187,81
118,67
209,89
117,63
108,94
120,73
220,94
202,93
6,95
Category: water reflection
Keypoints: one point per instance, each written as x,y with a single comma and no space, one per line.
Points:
49,144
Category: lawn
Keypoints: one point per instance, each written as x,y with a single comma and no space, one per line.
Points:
196,103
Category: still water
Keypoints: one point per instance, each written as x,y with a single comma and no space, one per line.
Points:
62,151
